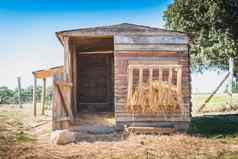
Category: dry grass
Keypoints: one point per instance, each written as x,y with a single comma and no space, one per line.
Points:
157,97
135,147
18,126
106,118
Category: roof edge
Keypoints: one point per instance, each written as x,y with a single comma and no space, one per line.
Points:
148,29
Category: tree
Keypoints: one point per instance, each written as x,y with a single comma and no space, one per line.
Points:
5,95
213,26
9,96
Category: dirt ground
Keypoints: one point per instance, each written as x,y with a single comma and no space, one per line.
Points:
23,137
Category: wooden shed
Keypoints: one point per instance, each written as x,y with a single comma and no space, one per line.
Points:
114,68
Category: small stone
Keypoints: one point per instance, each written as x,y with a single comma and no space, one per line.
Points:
62,137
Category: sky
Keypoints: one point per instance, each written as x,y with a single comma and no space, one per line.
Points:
28,41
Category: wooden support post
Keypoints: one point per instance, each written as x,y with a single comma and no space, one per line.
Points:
140,77
130,82
179,91
160,74
150,79
43,96
170,76
34,96
67,61
179,81
68,68
231,74
150,75
19,91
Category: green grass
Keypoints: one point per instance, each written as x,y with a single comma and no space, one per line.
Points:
22,137
216,126
217,103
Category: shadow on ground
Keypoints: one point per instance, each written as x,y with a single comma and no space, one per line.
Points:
215,125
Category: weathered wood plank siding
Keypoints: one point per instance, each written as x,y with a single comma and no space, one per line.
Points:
167,50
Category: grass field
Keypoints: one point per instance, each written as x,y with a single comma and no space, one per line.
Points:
217,103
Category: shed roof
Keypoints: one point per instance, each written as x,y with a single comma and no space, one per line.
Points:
48,72
118,29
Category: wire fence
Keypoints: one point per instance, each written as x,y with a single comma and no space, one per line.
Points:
218,97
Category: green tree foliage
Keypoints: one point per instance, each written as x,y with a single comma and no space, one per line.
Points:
213,25
5,95
8,96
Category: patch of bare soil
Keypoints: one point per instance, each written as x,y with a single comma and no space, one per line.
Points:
17,126
135,147
21,120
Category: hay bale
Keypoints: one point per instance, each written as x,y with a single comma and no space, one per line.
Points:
156,97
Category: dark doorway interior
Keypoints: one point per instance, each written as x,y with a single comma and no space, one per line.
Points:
95,82
95,65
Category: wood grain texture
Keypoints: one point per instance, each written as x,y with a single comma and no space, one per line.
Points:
149,47
150,39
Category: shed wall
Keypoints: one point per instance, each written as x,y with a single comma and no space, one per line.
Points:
121,86
173,51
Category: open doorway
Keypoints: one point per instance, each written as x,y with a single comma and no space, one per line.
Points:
95,82
95,70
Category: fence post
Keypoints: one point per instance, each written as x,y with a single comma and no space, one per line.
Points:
34,96
231,71
43,96
19,91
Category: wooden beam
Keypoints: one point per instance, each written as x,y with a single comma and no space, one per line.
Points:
170,76
67,108
150,39
34,96
149,47
66,60
43,97
97,52
43,74
40,74
64,84
213,93
151,130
